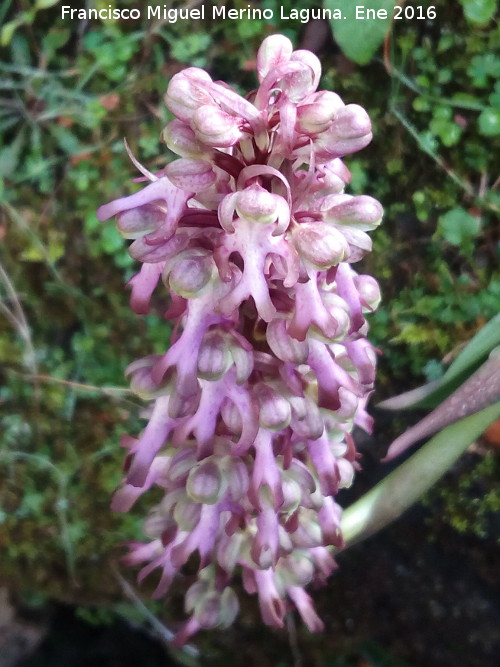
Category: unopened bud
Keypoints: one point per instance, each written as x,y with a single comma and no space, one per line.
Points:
318,113
141,380
231,417
191,174
236,474
215,127
362,212
187,515
137,222
181,139
205,483
285,347
369,292
352,121
321,245
257,204
348,133
190,272
297,569
217,610
184,96
275,50
214,358
274,410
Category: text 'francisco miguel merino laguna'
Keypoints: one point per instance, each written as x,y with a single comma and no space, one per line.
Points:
172,15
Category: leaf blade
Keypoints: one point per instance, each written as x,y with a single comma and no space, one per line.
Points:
469,359
359,38
402,488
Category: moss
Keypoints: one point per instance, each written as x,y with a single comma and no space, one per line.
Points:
468,499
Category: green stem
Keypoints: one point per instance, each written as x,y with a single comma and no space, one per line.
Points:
403,487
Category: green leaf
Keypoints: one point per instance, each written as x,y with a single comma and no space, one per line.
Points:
9,29
403,487
56,38
481,67
189,46
477,392
45,4
469,359
359,38
458,227
476,350
489,122
111,241
9,156
20,50
67,140
448,131
479,11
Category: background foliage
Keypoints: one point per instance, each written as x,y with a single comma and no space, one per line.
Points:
69,92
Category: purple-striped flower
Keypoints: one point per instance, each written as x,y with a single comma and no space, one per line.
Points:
248,240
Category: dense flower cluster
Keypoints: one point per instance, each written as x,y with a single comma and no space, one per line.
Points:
251,239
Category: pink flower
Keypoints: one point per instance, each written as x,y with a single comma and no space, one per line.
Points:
249,238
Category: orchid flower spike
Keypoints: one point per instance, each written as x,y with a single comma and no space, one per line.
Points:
248,240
